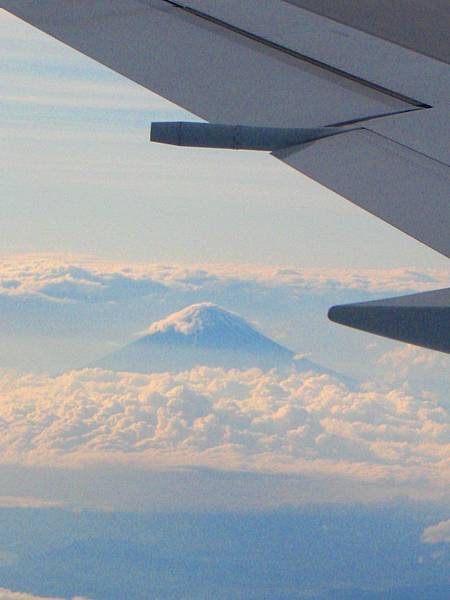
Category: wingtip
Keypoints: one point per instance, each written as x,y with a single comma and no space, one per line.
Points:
422,319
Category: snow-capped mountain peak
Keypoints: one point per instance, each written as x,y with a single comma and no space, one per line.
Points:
196,318
203,334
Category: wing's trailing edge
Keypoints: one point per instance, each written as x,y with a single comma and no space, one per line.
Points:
419,319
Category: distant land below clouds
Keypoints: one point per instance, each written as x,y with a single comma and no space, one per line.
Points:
315,553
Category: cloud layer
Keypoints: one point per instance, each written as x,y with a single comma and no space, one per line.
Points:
232,420
406,362
84,279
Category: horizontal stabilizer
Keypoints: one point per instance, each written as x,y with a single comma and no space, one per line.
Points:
419,319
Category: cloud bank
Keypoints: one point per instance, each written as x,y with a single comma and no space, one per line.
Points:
84,279
300,424
407,362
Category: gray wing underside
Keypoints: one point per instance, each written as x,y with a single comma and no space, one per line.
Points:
419,319
403,187
422,25
271,63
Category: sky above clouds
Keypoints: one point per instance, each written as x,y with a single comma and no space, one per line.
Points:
95,184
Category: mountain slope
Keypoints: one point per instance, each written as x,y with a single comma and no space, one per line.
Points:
203,334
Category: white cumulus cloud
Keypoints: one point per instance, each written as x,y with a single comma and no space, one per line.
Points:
27,502
9,595
262,422
437,534
411,361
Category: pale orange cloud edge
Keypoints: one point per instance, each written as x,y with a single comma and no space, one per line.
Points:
33,271
234,420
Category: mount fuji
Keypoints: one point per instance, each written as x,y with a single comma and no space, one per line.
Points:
207,335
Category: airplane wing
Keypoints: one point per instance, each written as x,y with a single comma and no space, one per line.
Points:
359,89
419,319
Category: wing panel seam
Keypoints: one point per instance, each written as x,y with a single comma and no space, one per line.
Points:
410,154
298,55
